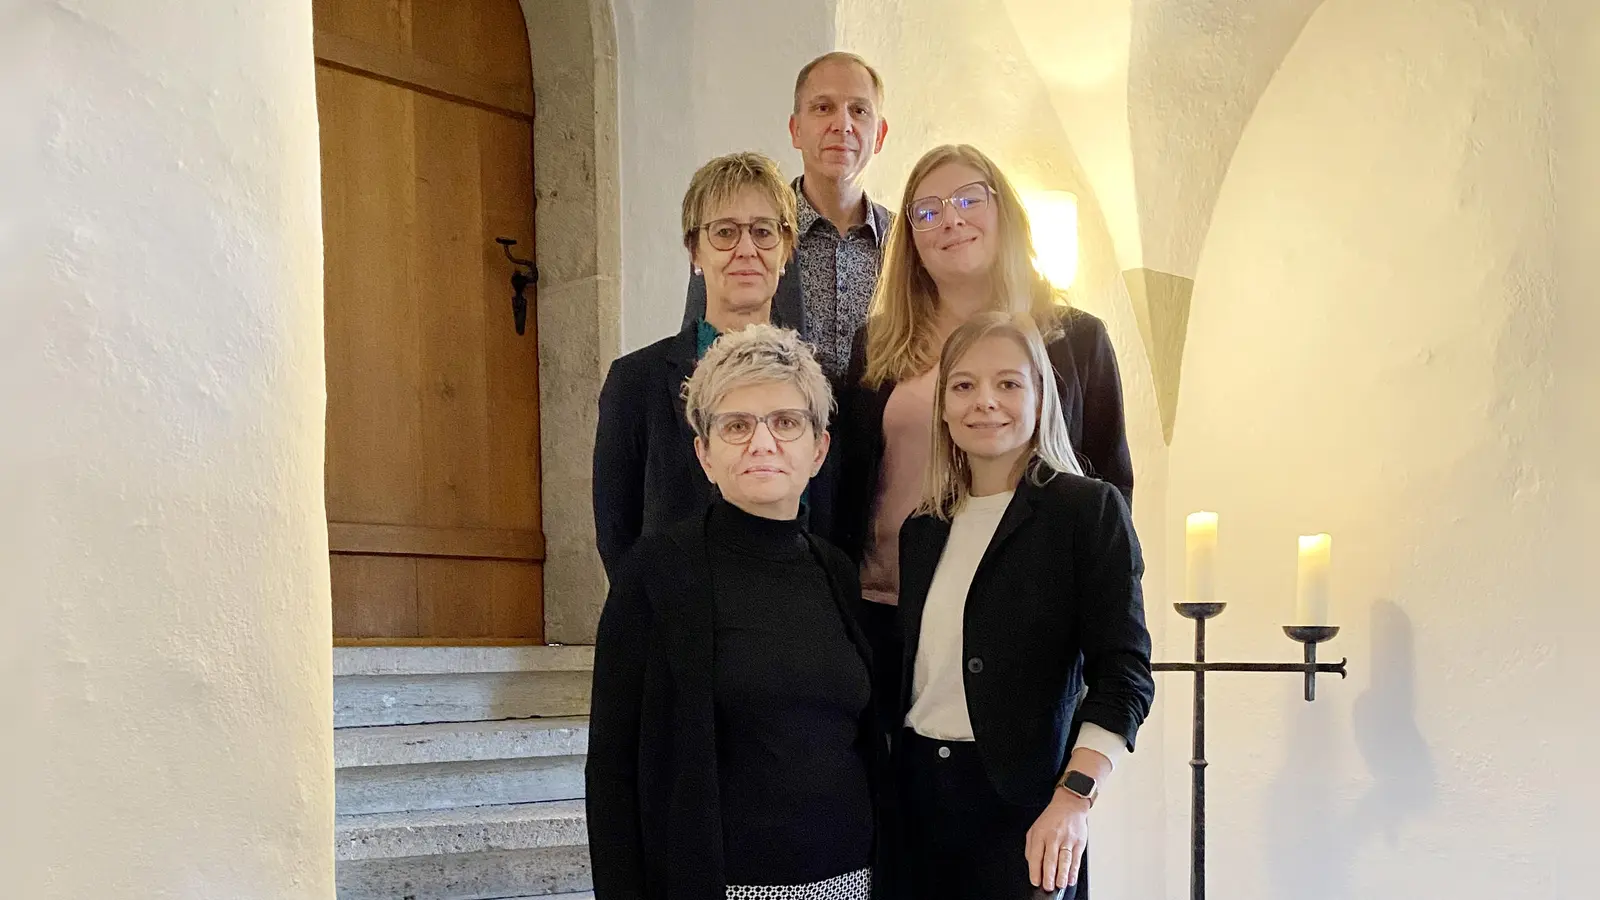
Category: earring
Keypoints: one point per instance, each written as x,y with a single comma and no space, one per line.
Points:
697,270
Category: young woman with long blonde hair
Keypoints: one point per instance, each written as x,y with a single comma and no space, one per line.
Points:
1020,614
961,245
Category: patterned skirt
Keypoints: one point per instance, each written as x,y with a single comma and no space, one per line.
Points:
855,885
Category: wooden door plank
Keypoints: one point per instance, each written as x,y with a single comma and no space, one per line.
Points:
386,23
410,540
488,38
513,362
438,642
458,473
372,329
422,75
374,596
505,598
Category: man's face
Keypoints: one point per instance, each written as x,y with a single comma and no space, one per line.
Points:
837,128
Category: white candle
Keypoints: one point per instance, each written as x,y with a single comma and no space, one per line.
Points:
1200,556
1311,585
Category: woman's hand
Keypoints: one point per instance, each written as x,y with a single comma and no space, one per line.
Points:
1056,841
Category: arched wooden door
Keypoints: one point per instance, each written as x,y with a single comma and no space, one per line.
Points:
426,110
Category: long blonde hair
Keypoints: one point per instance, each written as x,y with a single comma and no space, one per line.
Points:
949,479
902,325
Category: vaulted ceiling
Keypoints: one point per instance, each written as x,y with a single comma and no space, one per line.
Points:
1155,95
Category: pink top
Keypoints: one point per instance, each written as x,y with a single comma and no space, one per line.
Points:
907,445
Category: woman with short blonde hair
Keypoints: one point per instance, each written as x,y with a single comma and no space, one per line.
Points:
1020,587
760,354
732,743
738,226
721,180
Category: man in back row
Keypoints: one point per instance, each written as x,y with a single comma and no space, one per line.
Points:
838,127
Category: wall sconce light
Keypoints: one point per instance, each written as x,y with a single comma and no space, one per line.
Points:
1054,217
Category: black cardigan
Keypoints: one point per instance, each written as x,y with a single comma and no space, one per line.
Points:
1055,606
1085,365
646,476
655,827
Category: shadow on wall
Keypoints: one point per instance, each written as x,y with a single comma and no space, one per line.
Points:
1314,834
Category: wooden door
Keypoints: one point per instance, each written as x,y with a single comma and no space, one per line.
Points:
426,113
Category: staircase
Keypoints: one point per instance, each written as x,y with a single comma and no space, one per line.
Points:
459,772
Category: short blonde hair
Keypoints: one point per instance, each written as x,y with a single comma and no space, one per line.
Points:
902,328
755,354
948,483
719,180
839,56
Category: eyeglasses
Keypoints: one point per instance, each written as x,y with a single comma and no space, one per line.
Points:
739,427
724,234
927,213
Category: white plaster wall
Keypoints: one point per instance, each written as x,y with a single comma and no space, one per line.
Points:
697,79
1080,51
1153,96
1392,340
1197,69
161,475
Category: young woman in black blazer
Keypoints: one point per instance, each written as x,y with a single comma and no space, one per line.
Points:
733,751
1019,590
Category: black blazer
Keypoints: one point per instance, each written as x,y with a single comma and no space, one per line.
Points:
655,824
788,306
1085,364
646,476
1055,606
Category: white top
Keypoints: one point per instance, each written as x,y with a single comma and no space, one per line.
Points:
938,689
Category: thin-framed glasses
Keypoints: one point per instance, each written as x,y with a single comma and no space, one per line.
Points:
927,213
724,234
739,427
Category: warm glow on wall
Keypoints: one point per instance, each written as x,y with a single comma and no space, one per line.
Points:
1054,216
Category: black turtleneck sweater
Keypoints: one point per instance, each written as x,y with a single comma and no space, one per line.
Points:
791,706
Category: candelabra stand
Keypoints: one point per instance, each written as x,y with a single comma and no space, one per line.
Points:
1308,635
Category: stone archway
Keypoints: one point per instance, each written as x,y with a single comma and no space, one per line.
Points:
579,251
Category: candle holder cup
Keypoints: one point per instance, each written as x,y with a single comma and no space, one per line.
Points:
1311,636
1199,611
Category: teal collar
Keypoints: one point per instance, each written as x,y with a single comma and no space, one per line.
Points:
704,337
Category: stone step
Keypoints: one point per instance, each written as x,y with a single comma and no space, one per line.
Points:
376,686
394,768
449,742
524,874
510,826
519,850
438,786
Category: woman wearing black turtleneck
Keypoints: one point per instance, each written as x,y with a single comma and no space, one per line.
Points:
732,750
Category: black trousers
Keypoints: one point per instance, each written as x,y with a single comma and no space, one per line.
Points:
957,838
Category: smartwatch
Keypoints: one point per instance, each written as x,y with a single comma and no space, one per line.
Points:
1081,785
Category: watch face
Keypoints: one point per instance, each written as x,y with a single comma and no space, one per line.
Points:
1079,784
